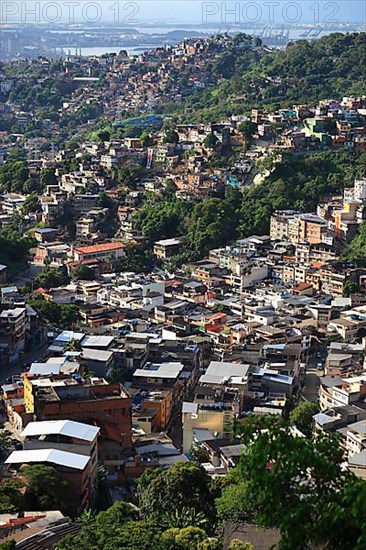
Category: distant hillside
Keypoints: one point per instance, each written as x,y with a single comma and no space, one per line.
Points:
305,72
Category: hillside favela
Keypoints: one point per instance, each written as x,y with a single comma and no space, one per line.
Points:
183,295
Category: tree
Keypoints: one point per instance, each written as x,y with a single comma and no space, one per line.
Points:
171,136
356,250
210,544
210,140
301,487
185,518
83,272
14,247
117,515
302,416
13,175
73,345
62,315
130,173
8,545
236,544
198,454
50,278
104,200
130,535
11,497
187,538
247,129
5,444
185,485
31,204
146,139
86,517
234,504
69,315
104,135
350,287
136,258
48,490
170,190
311,329
48,177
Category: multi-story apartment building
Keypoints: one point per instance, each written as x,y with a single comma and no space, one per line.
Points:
106,405
13,325
280,220
336,392
103,251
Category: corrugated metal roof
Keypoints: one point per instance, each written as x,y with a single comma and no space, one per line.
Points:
219,371
68,428
161,370
45,368
61,458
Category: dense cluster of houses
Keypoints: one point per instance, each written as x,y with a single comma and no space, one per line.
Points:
232,335
164,361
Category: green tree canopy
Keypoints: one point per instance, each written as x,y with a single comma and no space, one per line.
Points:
8,545
48,177
171,136
236,544
50,278
300,487
184,485
11,498
211,140
62,315
5,444
302,416
130,173
83,273
48,490
247,129
188,538
356,250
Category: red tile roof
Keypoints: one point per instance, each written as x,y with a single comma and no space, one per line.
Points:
104,247
302,286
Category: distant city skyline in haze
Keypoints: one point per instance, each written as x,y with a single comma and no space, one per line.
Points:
138,12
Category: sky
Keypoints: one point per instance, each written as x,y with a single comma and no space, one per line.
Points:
138,12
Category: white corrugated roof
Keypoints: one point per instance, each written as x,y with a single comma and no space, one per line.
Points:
219,371
160,370
96,354
68,335
45,368
62,458
61,427
168,242
97,341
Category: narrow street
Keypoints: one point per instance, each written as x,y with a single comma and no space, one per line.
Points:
312,383
16,368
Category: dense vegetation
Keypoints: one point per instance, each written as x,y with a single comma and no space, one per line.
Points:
297,182
14,248
65,316
304,73
42,488
291,483
356,251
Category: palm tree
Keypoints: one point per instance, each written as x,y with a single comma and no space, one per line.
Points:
185,517
86,517
73,345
